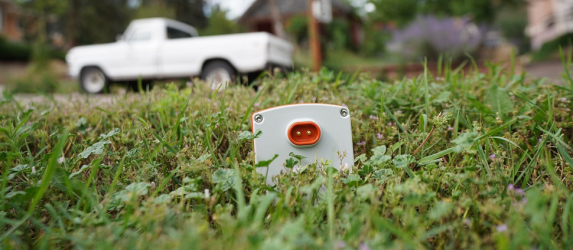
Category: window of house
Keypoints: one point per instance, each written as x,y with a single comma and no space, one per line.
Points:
173,33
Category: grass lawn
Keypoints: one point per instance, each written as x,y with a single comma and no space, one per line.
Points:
342,60
450,161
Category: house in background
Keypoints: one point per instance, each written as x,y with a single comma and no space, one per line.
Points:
9,21
258,18
548,20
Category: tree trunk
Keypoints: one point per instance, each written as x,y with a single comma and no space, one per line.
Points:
72,23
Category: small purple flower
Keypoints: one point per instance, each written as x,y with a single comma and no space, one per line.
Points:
399,112
383,113
510,187
189,84
122,91
361,143
344,105
340,244
511,97
492,156
301,101
519,191
228,108
563,99
539,139
208,99
467,222
501,228
390,124
523,201
379,136
216,104
314,99
61,160
325,98
295,169
542,172
257,104
450,128
186,146
363,246
373,117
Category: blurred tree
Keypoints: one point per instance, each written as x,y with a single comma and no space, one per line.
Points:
41,10
80,21
512,22
219,24
96,21
189,11
403,11
155,8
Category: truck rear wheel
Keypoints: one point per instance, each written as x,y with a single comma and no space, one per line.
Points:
93,80
218,73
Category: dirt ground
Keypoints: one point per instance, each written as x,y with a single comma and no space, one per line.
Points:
549,69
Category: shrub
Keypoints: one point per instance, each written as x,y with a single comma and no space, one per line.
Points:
22,51
11,51
550,48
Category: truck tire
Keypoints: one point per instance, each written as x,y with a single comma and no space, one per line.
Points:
93,80
216,73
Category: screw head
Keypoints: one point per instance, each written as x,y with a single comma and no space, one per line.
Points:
308,132
344,112
258,118
298,133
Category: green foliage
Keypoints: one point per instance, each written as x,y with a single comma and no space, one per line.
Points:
339,35
374,42
512,21
14,51
297,28
155,9
551,49
440,161
403,11
218,24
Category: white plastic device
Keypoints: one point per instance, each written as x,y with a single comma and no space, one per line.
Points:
316,131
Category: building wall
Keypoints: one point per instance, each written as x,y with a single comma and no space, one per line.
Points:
548,20
9,24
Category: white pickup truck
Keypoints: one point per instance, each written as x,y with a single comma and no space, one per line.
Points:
159,48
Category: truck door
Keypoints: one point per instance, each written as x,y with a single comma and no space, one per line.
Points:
141,53
178,55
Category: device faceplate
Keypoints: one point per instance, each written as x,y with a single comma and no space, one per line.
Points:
335,128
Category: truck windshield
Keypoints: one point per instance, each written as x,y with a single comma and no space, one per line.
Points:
139,35
173,33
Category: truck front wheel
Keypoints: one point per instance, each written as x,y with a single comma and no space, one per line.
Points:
93,80
218,73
